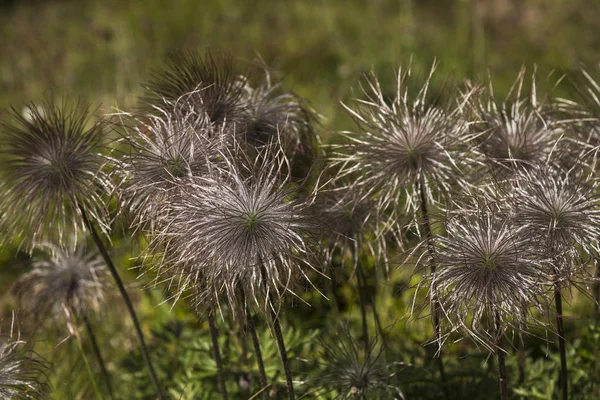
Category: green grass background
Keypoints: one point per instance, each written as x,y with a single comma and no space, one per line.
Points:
101,50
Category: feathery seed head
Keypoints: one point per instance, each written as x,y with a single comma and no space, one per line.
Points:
353,371
74,280
352,226
560,207
346,215
516,133
235,230
165,147
402,144
487,269
52,166
270,112
216,85
585,116
22,371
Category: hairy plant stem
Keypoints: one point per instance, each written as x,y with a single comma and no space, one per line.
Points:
363,278
262,376
214,337
501,359
502,373
597,292
251,328
331,288
70,313
560,330
279,337
283,353
88,367
434,304
136,324
96,349
362,299
522,357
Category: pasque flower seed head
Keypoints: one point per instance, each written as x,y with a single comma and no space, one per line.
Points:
51,167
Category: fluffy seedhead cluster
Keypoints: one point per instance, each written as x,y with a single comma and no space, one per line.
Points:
520,132
561,209
255,113
163,149
22,372
271,114
236,230
51,169
584,116
75,280
489,274
352,369
213,82
403,145
352,229
217,168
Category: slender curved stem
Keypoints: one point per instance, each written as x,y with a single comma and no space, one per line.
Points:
96,349
560,330
501,361
522,354
136,324
434,304
363,282
70,313
362,299
597,293
502,374
250,327
262,376
279,337
214,337
335,307
283,354
87,366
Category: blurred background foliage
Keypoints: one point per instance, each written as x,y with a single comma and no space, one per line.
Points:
102,50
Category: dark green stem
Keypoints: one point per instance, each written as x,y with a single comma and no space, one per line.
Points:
96,349
136,324
502,373
597,292
214,337
362,299
362,274
262,376
501,360
283,353
335,308
522,355
278,337
250,327
435,310
560,330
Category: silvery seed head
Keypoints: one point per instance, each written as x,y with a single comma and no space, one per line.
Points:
489,272
561,208
352,227
213,79
163,148
273,114
352,369
517,133
75,280
22,371
238,230
401,144
51,167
